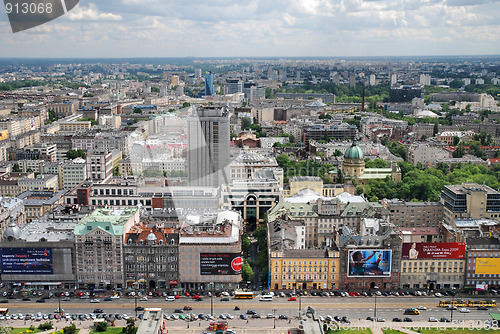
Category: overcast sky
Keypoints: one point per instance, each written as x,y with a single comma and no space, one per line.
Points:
245,28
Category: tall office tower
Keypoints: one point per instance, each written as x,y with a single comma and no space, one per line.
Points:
175,80
197,73
394,79
208,147
209,84
233,86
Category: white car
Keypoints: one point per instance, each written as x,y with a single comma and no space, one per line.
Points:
125,316
143,299
95,301
422,308
225,293
437,294
464,310
115,297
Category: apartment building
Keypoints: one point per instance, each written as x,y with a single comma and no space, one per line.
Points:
304,269
99,244
151,257
414,214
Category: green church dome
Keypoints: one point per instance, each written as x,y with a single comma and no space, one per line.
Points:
354,152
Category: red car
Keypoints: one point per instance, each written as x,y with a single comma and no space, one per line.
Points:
292,299
195,296
187,308
177,297
187,294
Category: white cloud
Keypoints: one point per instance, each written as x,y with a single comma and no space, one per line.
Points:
91,13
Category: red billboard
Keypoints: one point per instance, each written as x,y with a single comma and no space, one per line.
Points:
433,250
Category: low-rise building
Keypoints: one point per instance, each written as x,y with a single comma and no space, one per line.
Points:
304,269
38,203
414,214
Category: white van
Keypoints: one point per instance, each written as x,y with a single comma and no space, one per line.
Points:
266,298
170,299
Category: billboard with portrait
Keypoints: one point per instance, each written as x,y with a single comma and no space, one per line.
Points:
369,262
220,263
433,250
26,261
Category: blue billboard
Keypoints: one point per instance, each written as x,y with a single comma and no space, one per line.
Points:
26,261
369,262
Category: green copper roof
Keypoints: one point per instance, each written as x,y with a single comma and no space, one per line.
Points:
111,221
354,152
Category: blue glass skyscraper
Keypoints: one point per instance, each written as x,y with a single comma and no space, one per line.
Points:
209,84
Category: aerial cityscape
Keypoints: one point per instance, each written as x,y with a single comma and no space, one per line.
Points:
279,167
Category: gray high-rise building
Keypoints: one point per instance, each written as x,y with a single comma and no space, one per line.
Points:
208,147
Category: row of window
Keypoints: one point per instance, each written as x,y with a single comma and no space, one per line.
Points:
303,277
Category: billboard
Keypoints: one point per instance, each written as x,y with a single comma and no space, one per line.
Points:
220,263
369,262
433,250
487,265
27,261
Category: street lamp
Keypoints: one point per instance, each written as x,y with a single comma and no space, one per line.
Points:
274,317
211,298
452,306
135,298
375,309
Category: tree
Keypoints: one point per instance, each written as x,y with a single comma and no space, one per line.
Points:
247,273
137,110
46,326
337,153
245,123
245,244
340,176
5,330
130,328
436,129
73,154
456,140
101,326
186,104
69,329
16,168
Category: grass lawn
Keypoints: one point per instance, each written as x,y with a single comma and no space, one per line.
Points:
391,331
351,331
24,329
456,331
110,330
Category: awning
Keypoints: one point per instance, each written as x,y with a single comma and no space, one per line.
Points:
142,280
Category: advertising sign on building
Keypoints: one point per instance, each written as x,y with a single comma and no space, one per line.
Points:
433,250
369,262
487,266
220,263
27,261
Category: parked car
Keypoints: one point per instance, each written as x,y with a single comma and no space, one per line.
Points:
95,301
407,319
292,299
187,308
432,319
139,308
443,319
397,320
283,317
464,310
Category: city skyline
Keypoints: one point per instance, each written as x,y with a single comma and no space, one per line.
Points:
302,28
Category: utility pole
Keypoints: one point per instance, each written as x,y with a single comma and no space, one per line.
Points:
274,317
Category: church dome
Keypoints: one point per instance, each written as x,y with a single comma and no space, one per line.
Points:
354,152
151,237
12,231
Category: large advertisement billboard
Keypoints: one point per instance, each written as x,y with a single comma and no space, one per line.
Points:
487,265
220,263
433,250
369,262
27,261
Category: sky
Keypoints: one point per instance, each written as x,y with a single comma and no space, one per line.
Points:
261,28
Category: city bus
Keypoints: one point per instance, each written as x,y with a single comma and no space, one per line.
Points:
4,311
243,295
